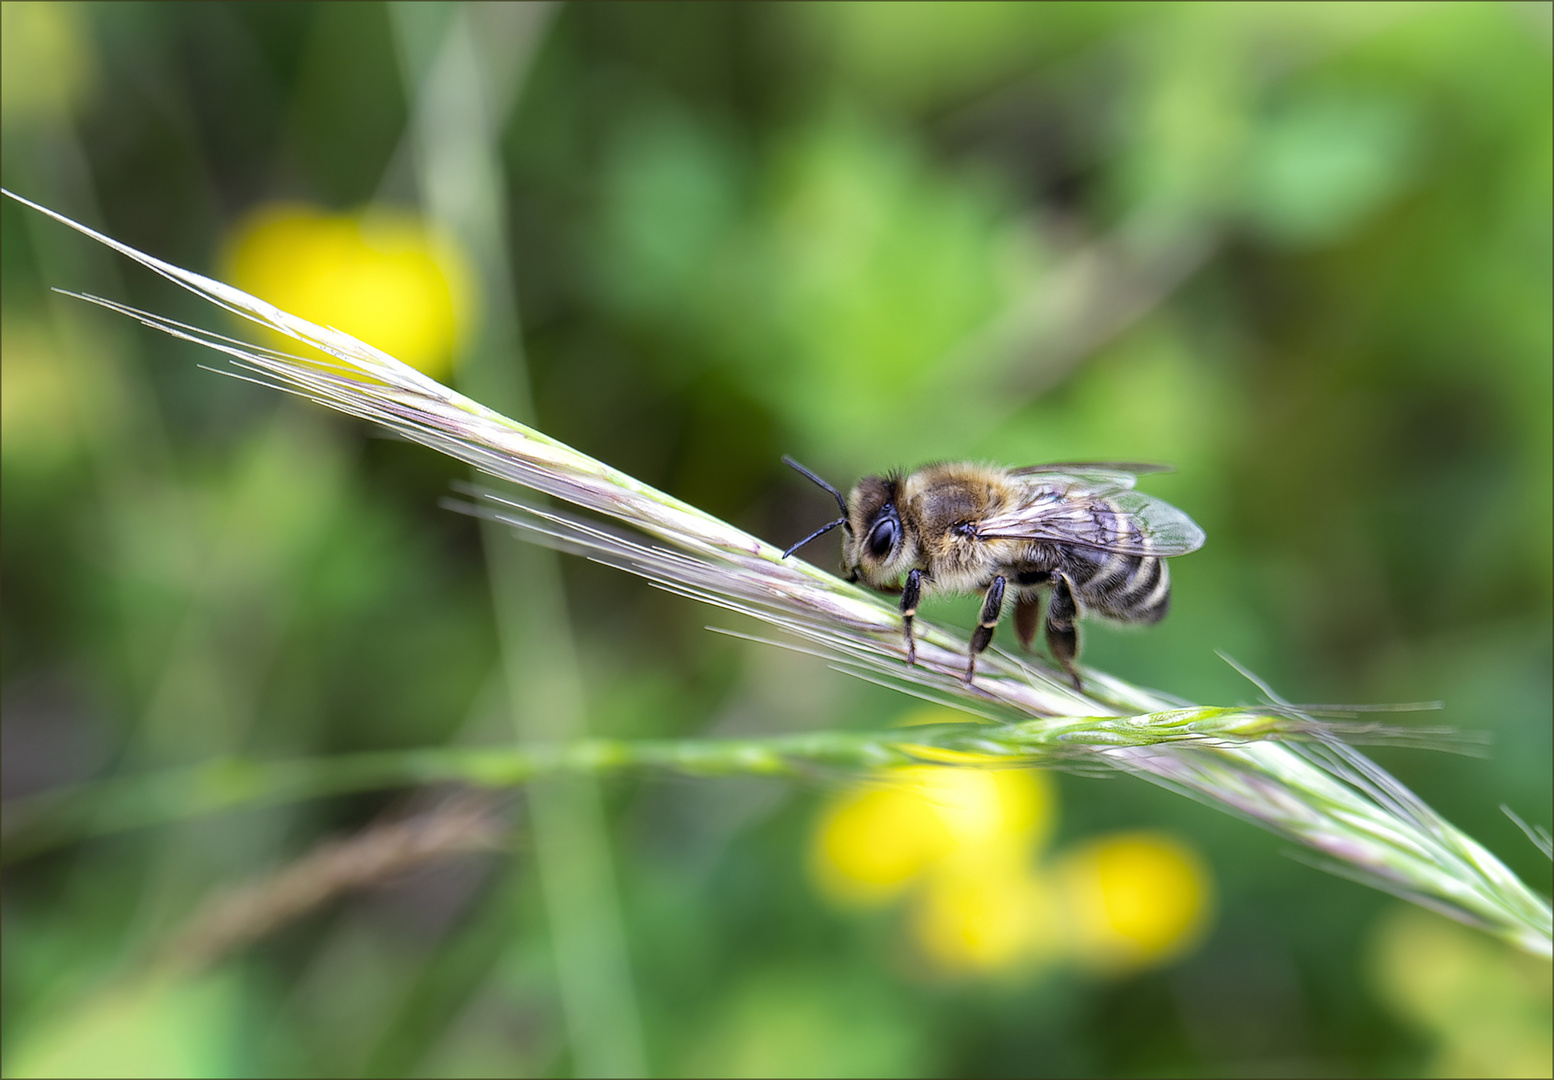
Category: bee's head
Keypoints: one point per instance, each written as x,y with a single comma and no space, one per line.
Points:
877,547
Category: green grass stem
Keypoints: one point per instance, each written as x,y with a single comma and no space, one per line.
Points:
1282,767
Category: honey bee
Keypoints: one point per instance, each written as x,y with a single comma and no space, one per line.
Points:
1077,533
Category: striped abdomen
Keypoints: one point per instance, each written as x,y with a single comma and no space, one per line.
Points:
1128,588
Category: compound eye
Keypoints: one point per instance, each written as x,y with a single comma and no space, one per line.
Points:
882,538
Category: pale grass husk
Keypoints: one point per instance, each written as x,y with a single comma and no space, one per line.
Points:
1279,767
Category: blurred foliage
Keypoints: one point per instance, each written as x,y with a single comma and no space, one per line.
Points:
1486,1010
1301,251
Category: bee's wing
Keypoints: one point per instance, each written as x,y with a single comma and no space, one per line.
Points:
1097,512
1104,473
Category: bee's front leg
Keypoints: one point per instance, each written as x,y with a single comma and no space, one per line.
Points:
909,598
992,608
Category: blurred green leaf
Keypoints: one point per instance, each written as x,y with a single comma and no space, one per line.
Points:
1323,163
155,1028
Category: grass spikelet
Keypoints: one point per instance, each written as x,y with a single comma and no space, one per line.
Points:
1279,766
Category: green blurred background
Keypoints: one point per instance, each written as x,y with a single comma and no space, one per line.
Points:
1303,252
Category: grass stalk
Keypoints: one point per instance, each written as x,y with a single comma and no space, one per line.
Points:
1281,768
40,822
462,95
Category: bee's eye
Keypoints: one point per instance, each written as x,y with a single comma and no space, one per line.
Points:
883,537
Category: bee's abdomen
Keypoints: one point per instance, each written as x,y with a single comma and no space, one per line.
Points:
1129,588
1146,596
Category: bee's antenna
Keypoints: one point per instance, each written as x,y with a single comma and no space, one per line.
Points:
841,504
827,527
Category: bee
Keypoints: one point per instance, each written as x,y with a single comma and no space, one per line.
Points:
1076,534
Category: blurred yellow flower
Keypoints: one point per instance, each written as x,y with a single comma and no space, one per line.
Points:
871,844
1133,899
965,842
966,838
995,914
381,276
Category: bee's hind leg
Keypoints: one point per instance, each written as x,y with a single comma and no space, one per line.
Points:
1062,637
992,608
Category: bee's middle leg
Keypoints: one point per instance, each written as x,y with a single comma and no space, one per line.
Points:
1062,637
992,608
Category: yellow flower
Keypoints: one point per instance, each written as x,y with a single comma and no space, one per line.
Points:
965,838
964,843
381,276
1133,899
871,844
991,915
